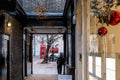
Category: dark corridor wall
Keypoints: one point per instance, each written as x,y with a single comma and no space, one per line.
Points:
16,36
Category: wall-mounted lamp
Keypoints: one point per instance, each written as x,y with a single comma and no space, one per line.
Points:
8,27
9,24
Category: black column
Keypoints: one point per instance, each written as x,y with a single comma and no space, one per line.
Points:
64,38
73,43
25,53
31,54
73,46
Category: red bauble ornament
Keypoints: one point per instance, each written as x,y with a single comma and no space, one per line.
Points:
102,31
114,17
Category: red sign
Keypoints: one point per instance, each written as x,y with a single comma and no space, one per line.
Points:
54,49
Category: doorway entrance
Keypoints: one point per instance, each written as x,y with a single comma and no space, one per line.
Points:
46,46
41,69
4,57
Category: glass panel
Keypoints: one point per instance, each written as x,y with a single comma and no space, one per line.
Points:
90,64
69,48
98,66
102,59
46,5
110,58
110,69
94,58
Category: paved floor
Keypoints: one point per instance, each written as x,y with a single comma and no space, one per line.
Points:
42,77
46,71
43,71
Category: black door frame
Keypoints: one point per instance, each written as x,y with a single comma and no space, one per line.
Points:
8,58
25,57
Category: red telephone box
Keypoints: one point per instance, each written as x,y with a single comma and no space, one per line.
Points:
42,50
